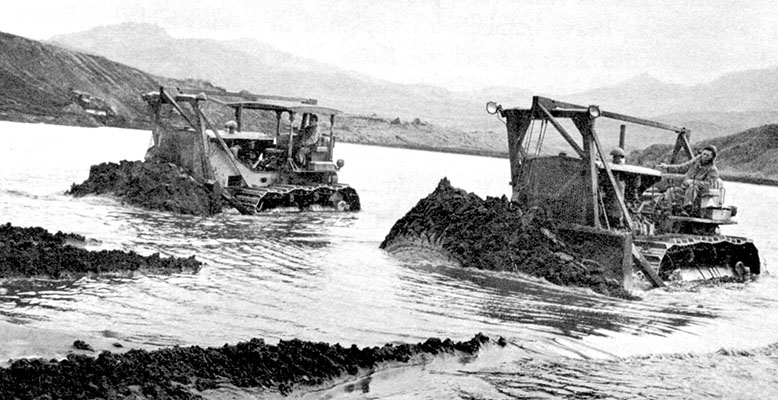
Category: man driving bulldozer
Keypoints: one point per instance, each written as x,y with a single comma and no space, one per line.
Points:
700,174
310,137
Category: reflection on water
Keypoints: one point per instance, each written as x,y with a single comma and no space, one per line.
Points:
321,277
504,298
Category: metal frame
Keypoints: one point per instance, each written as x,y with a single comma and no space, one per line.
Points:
543,108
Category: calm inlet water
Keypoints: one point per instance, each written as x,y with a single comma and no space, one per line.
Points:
322,277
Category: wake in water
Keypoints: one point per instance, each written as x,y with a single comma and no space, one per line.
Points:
321,277
728,374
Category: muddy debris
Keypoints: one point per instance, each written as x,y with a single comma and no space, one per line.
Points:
82,345
184,372
35,252
495,234
151,185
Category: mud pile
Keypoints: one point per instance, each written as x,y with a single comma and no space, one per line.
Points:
494,234
182,372
151,185
34,252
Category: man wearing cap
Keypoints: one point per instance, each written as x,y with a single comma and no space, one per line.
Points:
628,183
701,173
231,127
612,207
617,156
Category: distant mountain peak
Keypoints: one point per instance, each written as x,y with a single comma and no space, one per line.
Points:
133,26
644,79
127,32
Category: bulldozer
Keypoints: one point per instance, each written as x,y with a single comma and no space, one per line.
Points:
255,171
614,213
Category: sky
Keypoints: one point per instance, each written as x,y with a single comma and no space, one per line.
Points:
559,46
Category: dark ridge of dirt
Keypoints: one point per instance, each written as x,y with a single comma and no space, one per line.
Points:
151,185
181,372
495,234
34,252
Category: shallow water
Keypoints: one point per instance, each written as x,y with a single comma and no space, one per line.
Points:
322,277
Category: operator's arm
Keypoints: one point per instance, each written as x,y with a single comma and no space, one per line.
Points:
679,168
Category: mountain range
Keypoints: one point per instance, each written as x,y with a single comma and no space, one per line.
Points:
729,104
43,82
248,64
46,82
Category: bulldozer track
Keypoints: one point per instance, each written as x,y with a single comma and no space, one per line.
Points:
253,199
701,256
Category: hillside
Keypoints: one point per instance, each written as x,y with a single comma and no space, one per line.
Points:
50,84
42,83
45,83
259,68
749,97
747,156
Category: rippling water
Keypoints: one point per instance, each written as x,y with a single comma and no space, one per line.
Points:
321,277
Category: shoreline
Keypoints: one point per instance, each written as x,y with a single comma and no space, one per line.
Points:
750,179
504,155
462,151
438,149
26,342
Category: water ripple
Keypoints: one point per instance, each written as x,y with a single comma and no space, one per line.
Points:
321,277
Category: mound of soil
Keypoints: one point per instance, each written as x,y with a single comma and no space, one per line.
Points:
180,372
495,234
151,185
34,252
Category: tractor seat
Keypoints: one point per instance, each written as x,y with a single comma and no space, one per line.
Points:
713,197
323,146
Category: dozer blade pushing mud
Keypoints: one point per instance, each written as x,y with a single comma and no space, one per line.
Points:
614,212
292,167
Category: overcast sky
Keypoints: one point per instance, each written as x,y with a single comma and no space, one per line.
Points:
555,46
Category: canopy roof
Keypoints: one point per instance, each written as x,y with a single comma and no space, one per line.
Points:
280,105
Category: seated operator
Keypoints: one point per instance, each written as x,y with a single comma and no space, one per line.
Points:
308,139
700,174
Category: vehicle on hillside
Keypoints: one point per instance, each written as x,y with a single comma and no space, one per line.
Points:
93,105
256,170
581,190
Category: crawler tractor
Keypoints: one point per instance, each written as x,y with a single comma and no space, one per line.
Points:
255,170
614,213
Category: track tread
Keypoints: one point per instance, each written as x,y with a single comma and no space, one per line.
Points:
301,196
665,248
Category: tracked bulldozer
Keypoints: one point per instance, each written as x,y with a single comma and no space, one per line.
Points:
615,213
255,171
